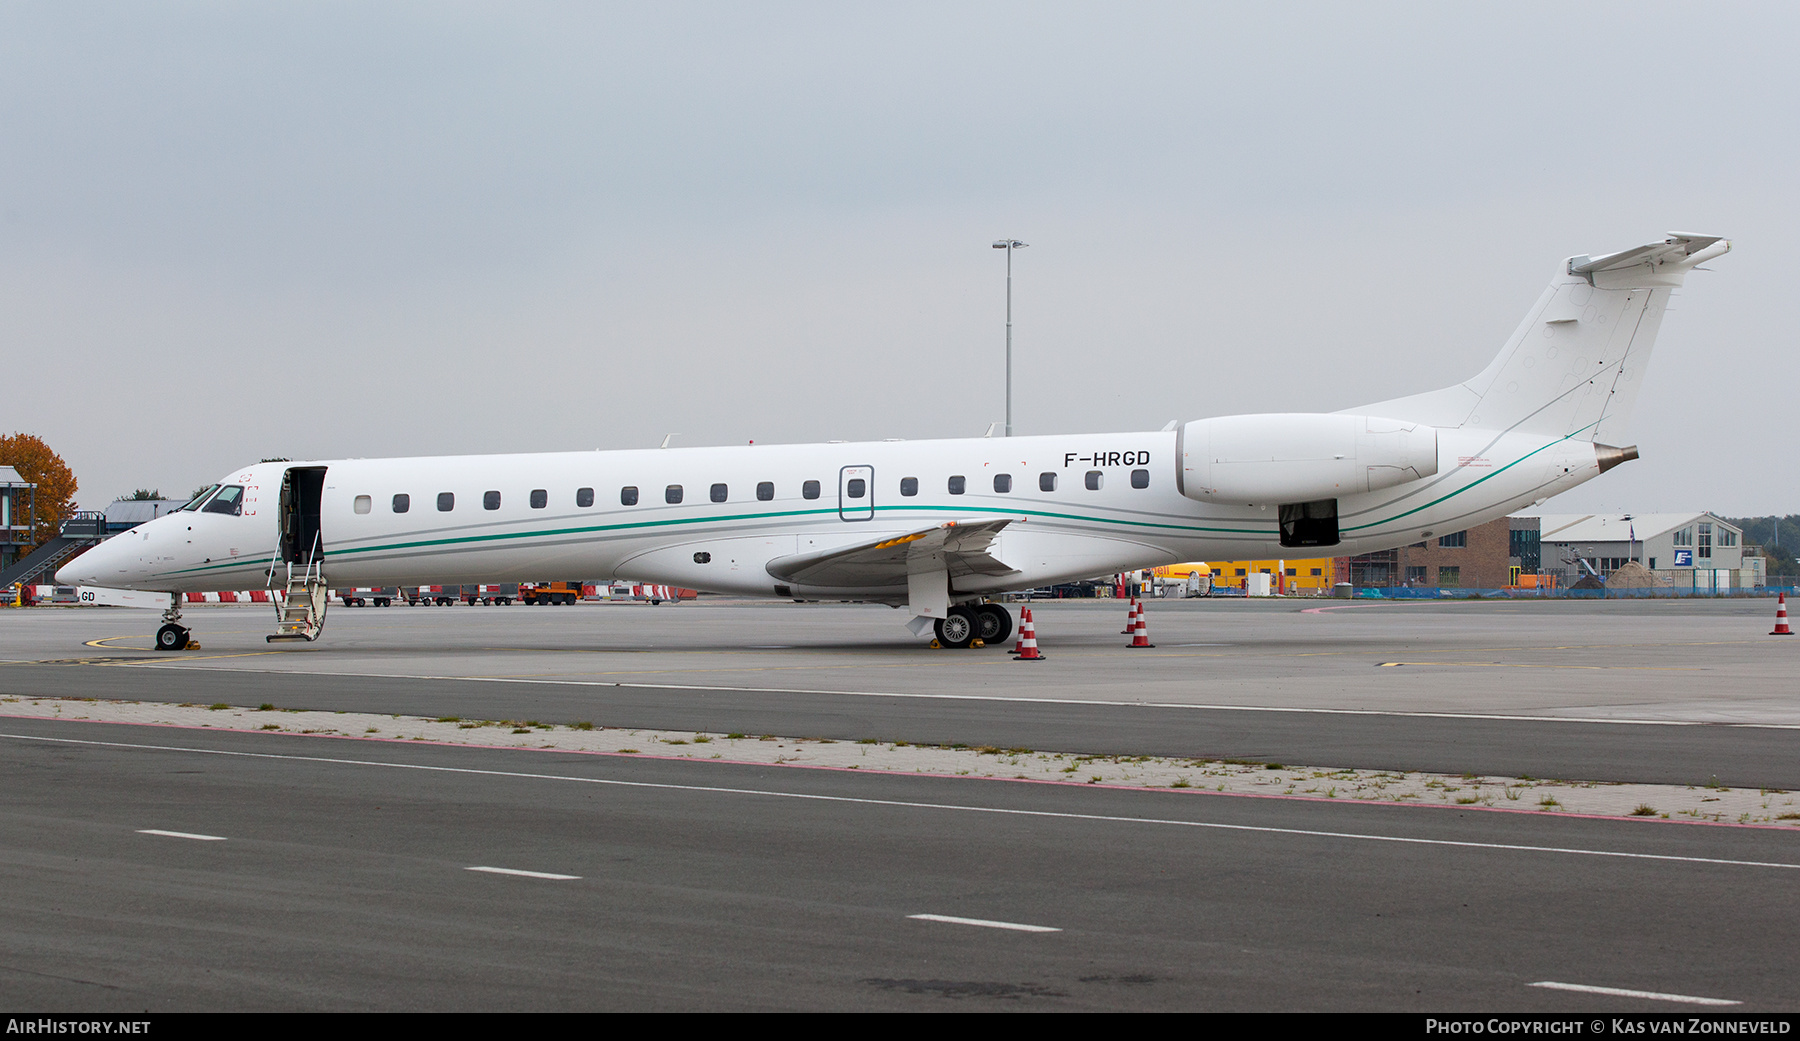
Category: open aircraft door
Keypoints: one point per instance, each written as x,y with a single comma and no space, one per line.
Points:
301,489
301,553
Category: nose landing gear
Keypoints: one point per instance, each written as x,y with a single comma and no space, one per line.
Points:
174,636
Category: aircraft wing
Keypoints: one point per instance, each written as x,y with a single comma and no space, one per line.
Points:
957,547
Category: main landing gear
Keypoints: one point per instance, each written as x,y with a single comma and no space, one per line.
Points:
966,623
173,636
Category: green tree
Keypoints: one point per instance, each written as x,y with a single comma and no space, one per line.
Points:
143,495
1779,538
28,454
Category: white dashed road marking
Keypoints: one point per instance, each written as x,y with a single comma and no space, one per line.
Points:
985,923
523,874
1649,995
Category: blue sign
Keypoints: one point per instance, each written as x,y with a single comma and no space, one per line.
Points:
1684,558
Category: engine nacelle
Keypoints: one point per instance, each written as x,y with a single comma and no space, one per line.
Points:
1301,457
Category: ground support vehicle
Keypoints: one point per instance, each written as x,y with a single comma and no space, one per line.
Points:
443,596
498,593
558,593
380,596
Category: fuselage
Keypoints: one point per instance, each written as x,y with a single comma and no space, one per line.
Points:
713,519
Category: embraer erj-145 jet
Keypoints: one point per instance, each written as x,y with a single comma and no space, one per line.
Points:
937,527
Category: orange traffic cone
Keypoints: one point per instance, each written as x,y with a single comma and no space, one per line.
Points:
1028,648
1131,616
1141,637
1781,626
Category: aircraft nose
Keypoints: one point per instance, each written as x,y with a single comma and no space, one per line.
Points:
86,569
100,565
75,572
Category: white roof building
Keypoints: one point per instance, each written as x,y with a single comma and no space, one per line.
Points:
1662,542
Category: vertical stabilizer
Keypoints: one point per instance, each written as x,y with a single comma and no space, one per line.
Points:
1573,368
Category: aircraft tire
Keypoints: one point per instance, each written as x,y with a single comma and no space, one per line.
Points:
171,637
957,630
993,624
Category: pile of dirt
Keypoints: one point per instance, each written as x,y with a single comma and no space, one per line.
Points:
1634,576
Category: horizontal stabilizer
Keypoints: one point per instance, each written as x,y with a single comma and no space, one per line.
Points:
1655,264
959,548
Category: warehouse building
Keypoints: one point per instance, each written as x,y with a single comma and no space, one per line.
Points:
125,514
1683,551
1473,558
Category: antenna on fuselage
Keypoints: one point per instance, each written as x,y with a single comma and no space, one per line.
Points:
666,439
995,425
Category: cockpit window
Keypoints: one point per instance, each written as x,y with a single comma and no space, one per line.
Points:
229,501
200,497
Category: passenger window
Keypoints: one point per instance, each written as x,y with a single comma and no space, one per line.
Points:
909,486
490,501
446,502
1093,480
229,501
1046,482
672,494
1140,478
719,493
765,490
362,504
857,486
402,503
1003,483
584,497
540,498
628,495
810,490
957,484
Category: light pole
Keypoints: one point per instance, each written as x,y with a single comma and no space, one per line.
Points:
1009,245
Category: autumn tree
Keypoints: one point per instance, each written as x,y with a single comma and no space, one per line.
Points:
35,462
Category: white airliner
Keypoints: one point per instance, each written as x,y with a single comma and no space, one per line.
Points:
939,526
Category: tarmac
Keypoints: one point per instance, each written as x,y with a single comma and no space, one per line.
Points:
735,811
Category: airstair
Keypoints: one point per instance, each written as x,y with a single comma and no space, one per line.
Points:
301,613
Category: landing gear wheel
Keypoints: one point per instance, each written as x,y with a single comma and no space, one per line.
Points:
957,629
993,624
172,637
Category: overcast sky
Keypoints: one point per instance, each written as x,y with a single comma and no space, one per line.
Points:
230,231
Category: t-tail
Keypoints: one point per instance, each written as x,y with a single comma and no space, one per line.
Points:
1573,367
